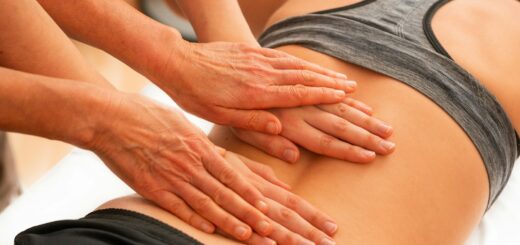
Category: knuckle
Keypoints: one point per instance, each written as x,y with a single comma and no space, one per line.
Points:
341,109
228,176
292,201
252,121
249,215
193,219
341,126
374,140
312,234
366,120
349,150
227,222
369,122
349,101
202,204
314,217
271,149
267,170
220,196
248,194
291,239
176,206
298,64
325,141
299,91
285,214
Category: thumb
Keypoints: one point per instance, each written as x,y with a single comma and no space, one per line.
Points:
256,120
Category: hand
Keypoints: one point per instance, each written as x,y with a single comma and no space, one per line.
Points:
295,221
230,83
345,131
158,153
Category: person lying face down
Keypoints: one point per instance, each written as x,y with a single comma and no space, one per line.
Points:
454,121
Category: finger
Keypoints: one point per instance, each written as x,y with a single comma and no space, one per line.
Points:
273,145
233,204
299,95
283,235
313,79
295,223
256,120
303,209
207,208
359,118
254,239
225,174
359,105
325,144
343,129
180,209
293,62
264,171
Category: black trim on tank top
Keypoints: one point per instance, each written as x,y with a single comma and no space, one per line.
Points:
350,6
428,30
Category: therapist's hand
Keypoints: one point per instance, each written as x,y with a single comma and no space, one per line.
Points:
231,83
345,131
158,153
295,220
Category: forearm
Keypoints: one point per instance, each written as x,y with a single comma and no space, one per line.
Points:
49,107
119,29
217,20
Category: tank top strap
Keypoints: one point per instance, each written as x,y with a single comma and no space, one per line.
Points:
407,19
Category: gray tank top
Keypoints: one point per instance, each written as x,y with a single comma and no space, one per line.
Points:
395,38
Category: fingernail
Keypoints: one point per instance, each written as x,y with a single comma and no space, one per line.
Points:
341,75
307,242
351,85
268,241
262,206
326,241
206,228
241,232
369,154
339,93
290,155
272,128
263,228
366,108
387,145
383,128
330,227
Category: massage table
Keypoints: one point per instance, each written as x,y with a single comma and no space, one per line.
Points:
80,182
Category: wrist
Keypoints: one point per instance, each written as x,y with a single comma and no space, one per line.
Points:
98,112
163,54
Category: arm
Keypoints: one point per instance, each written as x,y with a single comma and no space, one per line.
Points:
219,20
153,149
49,107
215,80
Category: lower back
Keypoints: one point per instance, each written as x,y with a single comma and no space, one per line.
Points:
432,190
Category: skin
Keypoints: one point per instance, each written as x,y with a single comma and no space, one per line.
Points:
227,83
433,189
190,72
48,90
354,136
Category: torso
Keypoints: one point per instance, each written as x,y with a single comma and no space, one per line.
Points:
436,173
433,189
